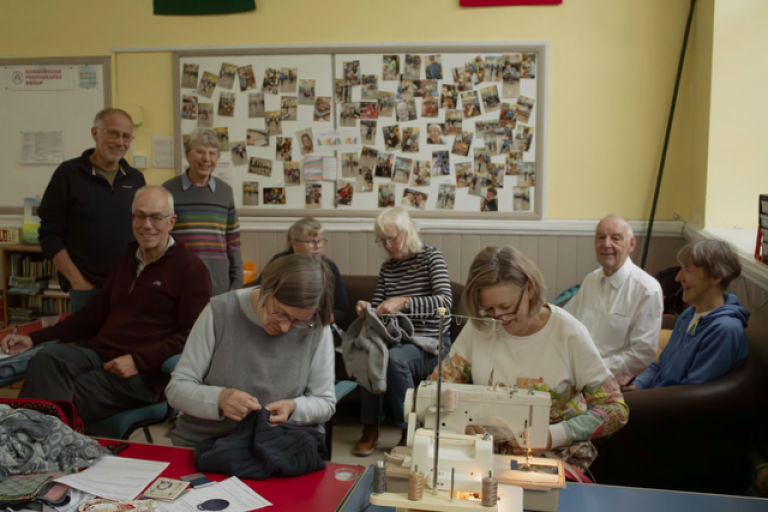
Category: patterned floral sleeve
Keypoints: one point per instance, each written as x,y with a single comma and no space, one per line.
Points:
456,368
606,413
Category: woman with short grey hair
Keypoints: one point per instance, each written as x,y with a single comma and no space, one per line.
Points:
268,347
208,223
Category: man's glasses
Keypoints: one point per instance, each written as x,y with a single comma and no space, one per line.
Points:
114,134
507,317
298,324
315,243
388,242
154,219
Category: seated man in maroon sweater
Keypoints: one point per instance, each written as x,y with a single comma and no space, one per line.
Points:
122,336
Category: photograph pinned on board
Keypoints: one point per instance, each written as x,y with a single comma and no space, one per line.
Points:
351,72
390,67
513,159
369,110
386,195
523,138
406,110
429,107
227,75
489,143
412,66
256,137
493,68
402,169
510,87
386,104
323,109
349,114
239,152
205,115
454,121
270,83
392,139
185,141
435,133
478,184
364,180
491,99
343,93
370,88
289,77
189,76
506,144
462,143
521,199
508,115
496,174
260,166
470,104
222,135
306,92
368,131
529,65
207,84
274,195
481,160
462,79
246,77
189,107
415,199
250,193
405,89
273,122
384,165
306,144
292,173
441,163
422,173
464,174
512,61
425,89
476,70
490,203
524,108
368,158
446,196
283,149
227,104
526,174
255,104
483,128
449,97
314,195
411,140
434,67
350,164
289,108
345,191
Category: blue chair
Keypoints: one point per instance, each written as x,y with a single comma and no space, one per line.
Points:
123,424
343,388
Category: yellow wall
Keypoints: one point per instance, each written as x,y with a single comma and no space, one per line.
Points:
612,69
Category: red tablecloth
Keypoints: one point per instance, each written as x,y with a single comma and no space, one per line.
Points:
316,492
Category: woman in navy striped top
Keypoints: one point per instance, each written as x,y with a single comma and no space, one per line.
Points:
414,279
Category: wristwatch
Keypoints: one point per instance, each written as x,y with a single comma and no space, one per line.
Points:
407,305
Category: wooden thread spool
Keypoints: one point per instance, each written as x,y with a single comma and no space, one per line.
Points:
379,478
415,484
490,490
450,400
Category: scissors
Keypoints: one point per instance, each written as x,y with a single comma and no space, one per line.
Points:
116,448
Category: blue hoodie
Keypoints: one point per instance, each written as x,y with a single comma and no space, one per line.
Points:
713,346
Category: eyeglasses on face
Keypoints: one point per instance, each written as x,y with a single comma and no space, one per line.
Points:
155,219
282,319
315,243
388,242
506,317
115,134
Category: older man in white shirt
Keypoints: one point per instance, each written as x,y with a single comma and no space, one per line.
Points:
620,304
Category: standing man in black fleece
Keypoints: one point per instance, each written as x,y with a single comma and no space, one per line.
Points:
85,214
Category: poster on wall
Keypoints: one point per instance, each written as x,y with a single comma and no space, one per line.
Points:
39,78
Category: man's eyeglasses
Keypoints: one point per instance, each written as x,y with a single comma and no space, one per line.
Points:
154,219
388,242
315,243
114,134
298,324
507,317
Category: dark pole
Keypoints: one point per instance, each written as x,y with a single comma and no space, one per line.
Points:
666,138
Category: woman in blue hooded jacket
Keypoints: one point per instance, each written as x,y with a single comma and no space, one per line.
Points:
708,339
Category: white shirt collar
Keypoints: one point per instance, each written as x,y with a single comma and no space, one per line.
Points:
617,278
186,182
140,254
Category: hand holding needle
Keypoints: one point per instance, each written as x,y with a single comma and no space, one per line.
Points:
15,330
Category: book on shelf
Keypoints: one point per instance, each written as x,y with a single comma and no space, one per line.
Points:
56,293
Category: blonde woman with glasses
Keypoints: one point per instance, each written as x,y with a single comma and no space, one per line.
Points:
305,236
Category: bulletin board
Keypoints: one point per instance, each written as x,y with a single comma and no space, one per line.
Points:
48,107
402,143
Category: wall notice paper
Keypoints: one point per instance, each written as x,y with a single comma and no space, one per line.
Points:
162,153
240,498
87,77
116,478
343,138
40,78
225,173
318,167
41,148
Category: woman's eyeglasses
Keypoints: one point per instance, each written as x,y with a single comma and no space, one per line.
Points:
315,243
298,324
388,242
507,317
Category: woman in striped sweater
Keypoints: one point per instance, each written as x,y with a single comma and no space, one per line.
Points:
414,279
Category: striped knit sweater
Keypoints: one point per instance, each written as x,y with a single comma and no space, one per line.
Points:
424,278
207,225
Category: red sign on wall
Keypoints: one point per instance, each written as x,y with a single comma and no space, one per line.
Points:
490,3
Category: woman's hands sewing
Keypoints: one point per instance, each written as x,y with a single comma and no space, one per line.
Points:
237,404
280,411
512,443
391,306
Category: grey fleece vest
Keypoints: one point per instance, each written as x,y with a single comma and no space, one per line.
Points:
246,358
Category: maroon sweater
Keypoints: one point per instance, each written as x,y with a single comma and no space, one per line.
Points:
148,318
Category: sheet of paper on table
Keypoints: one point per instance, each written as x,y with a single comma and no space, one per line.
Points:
241,498
116,478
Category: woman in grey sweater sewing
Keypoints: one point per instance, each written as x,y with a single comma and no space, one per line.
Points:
267,347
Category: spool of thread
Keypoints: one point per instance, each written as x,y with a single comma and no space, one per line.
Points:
379,478
450,400
490,490
415,484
